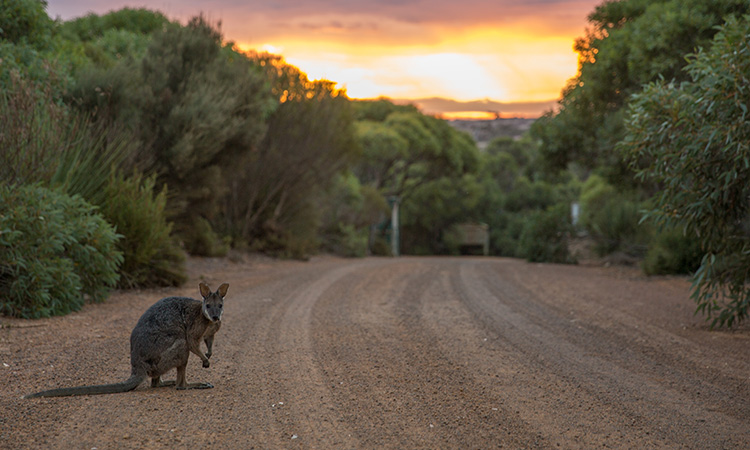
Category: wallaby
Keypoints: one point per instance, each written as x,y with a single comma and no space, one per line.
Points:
162,340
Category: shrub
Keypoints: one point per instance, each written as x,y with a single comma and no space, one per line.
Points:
47,143
33,129
201,239
545,237
350,241
611,218
55,251
672,252
594,195
152,257
692,140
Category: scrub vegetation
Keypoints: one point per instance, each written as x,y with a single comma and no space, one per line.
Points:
175,142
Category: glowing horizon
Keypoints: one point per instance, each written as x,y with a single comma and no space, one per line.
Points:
469,51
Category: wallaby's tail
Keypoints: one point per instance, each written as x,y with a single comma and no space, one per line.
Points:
125,386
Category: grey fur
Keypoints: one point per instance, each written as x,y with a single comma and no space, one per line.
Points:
162,340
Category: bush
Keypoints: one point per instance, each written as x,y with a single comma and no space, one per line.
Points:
44,142
692,140
201,239
672,252
350,242
55,250
611,218
152,257
545,237
505,236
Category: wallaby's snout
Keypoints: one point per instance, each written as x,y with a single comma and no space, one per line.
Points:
214,313
213,302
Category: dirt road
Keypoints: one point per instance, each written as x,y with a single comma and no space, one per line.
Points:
455,353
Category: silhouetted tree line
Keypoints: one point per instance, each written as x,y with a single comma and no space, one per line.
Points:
183,143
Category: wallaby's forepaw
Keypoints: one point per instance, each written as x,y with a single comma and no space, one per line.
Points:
208,354
206,364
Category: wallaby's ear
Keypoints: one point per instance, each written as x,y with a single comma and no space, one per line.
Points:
223,290
205,290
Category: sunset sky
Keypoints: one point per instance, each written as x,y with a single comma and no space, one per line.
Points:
511,57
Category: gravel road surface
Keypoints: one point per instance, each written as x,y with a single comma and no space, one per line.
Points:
399,353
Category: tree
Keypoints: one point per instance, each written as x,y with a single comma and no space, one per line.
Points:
422,160
406,148
25,41
310,139
692,138
630,43
25,22
203,111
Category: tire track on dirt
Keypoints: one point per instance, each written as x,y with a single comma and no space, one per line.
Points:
395,387
603,397
639,342
313,420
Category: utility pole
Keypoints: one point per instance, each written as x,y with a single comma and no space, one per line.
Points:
394,200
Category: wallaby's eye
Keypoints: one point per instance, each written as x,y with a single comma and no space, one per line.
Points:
221,306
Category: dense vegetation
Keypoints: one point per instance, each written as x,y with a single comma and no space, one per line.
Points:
180,143
656,121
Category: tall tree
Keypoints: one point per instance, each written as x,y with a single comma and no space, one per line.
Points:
692,138
629,43
25,42
203,112
424,162
309,140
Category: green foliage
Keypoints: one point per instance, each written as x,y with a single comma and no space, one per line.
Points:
310,139
672,252
83,166
526,194
97,42
27,45
197,107
201,239
629,43
348,212
383,153
351,242
203,113
54,251
431,167
378,110
433,208
545,236
692,139
25,22
32,130
616,226
404,148
515,198
92,27
152,257
43,142
612,218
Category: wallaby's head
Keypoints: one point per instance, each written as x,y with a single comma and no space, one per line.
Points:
213,302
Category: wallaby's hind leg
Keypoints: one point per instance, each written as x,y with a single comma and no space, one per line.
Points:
182,383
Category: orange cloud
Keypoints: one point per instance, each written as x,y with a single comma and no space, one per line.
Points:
505,65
